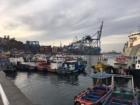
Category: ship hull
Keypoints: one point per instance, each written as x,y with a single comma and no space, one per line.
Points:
132,51
134,72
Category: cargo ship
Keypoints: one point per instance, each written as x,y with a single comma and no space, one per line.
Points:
87,45
132,46
132,50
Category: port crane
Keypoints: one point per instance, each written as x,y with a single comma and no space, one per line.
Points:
88,45
91,40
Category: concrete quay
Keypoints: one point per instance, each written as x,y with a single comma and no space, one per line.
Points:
10,94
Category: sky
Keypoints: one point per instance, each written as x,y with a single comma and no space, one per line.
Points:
55,21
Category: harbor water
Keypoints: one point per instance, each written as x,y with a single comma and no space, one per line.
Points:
53,89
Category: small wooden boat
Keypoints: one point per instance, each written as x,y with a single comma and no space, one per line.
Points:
123,92
96,95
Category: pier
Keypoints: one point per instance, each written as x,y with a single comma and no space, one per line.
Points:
10,94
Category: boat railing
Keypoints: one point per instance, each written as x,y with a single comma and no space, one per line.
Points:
106,96
107,99
3,96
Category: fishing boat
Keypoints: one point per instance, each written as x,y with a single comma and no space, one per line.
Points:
72,66
54,66
15,60
58,58
121,64
6,65
66,64
56,62
68,67
103,65
100,67
123,92
27,66
42,65
22,64
97,94
39,57
37,62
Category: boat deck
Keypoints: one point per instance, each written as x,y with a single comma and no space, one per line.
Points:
121,99
95,94
120,102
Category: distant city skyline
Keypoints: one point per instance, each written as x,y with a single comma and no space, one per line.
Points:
55,21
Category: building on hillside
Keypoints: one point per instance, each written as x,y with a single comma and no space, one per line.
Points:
56,49
46,49
32,46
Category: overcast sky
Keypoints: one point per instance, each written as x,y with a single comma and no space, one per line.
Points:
52,21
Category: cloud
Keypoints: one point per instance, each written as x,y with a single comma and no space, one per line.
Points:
115,39
114,42
126,18
61,20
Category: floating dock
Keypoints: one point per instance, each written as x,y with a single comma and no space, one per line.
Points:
10,94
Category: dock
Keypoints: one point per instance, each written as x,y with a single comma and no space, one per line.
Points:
10,94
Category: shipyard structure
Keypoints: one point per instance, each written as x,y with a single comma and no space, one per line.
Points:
132,46
88,45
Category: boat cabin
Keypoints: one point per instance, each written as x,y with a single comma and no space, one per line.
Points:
70,65
123,92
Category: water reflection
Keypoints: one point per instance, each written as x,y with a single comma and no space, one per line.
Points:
11,75
50,89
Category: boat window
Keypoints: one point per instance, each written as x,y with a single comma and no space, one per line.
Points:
65,65
72,67
138,61
79,63
134,57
